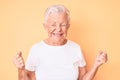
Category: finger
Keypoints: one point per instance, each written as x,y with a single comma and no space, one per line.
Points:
19,54
105,55
103,58
22,65
21,62
20,59
100,52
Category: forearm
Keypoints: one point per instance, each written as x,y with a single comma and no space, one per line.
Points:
22,75
90,74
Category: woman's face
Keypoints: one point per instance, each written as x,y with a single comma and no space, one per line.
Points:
57,26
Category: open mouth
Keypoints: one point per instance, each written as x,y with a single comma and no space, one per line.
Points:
58,34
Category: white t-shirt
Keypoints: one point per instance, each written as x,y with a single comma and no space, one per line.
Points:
55,62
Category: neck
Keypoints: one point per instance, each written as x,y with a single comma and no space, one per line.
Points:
55,43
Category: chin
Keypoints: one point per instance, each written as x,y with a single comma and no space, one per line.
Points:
59,39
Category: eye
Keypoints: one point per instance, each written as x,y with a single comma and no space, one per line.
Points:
63,25
53,25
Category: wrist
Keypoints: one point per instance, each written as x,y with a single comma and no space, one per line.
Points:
21,69
95,66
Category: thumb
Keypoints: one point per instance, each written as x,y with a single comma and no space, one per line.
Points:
100,52
19,54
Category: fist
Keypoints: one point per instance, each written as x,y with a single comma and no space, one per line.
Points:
100,59
19,61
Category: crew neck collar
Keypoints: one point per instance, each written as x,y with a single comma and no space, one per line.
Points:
54,45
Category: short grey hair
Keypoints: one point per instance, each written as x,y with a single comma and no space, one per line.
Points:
56,9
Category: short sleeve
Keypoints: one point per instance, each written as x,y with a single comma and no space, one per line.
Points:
82,61
31,60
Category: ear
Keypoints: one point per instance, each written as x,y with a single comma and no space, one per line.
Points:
44,25
68,26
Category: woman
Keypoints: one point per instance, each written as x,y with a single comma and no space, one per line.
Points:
56,58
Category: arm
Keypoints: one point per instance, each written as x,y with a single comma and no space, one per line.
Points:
22,73
26,75
89,75
82,71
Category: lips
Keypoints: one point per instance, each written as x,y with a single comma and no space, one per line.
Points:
58,34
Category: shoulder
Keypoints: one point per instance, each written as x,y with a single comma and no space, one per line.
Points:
72,43
36,45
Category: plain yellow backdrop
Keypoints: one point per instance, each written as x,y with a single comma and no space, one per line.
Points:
95,25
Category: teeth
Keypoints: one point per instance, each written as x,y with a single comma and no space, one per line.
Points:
58,35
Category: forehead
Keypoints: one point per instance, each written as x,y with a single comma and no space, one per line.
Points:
58,17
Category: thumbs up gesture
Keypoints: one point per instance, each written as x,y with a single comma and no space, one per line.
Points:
100,59
19,61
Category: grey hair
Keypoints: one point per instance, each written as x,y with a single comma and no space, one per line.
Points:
56,9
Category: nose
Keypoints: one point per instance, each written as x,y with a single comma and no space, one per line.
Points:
58,28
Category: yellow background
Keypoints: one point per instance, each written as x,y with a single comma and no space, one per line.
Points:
95,25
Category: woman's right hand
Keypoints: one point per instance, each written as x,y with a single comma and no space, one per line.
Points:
19,61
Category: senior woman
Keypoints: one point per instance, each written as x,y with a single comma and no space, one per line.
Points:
56,58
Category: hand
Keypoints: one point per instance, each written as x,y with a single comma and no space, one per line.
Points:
100,59
19,61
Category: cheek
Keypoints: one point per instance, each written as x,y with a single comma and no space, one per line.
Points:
65,31
50,30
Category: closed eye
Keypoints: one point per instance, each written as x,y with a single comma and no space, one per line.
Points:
63,25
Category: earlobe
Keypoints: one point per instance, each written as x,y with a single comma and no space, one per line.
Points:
68,26
44,25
